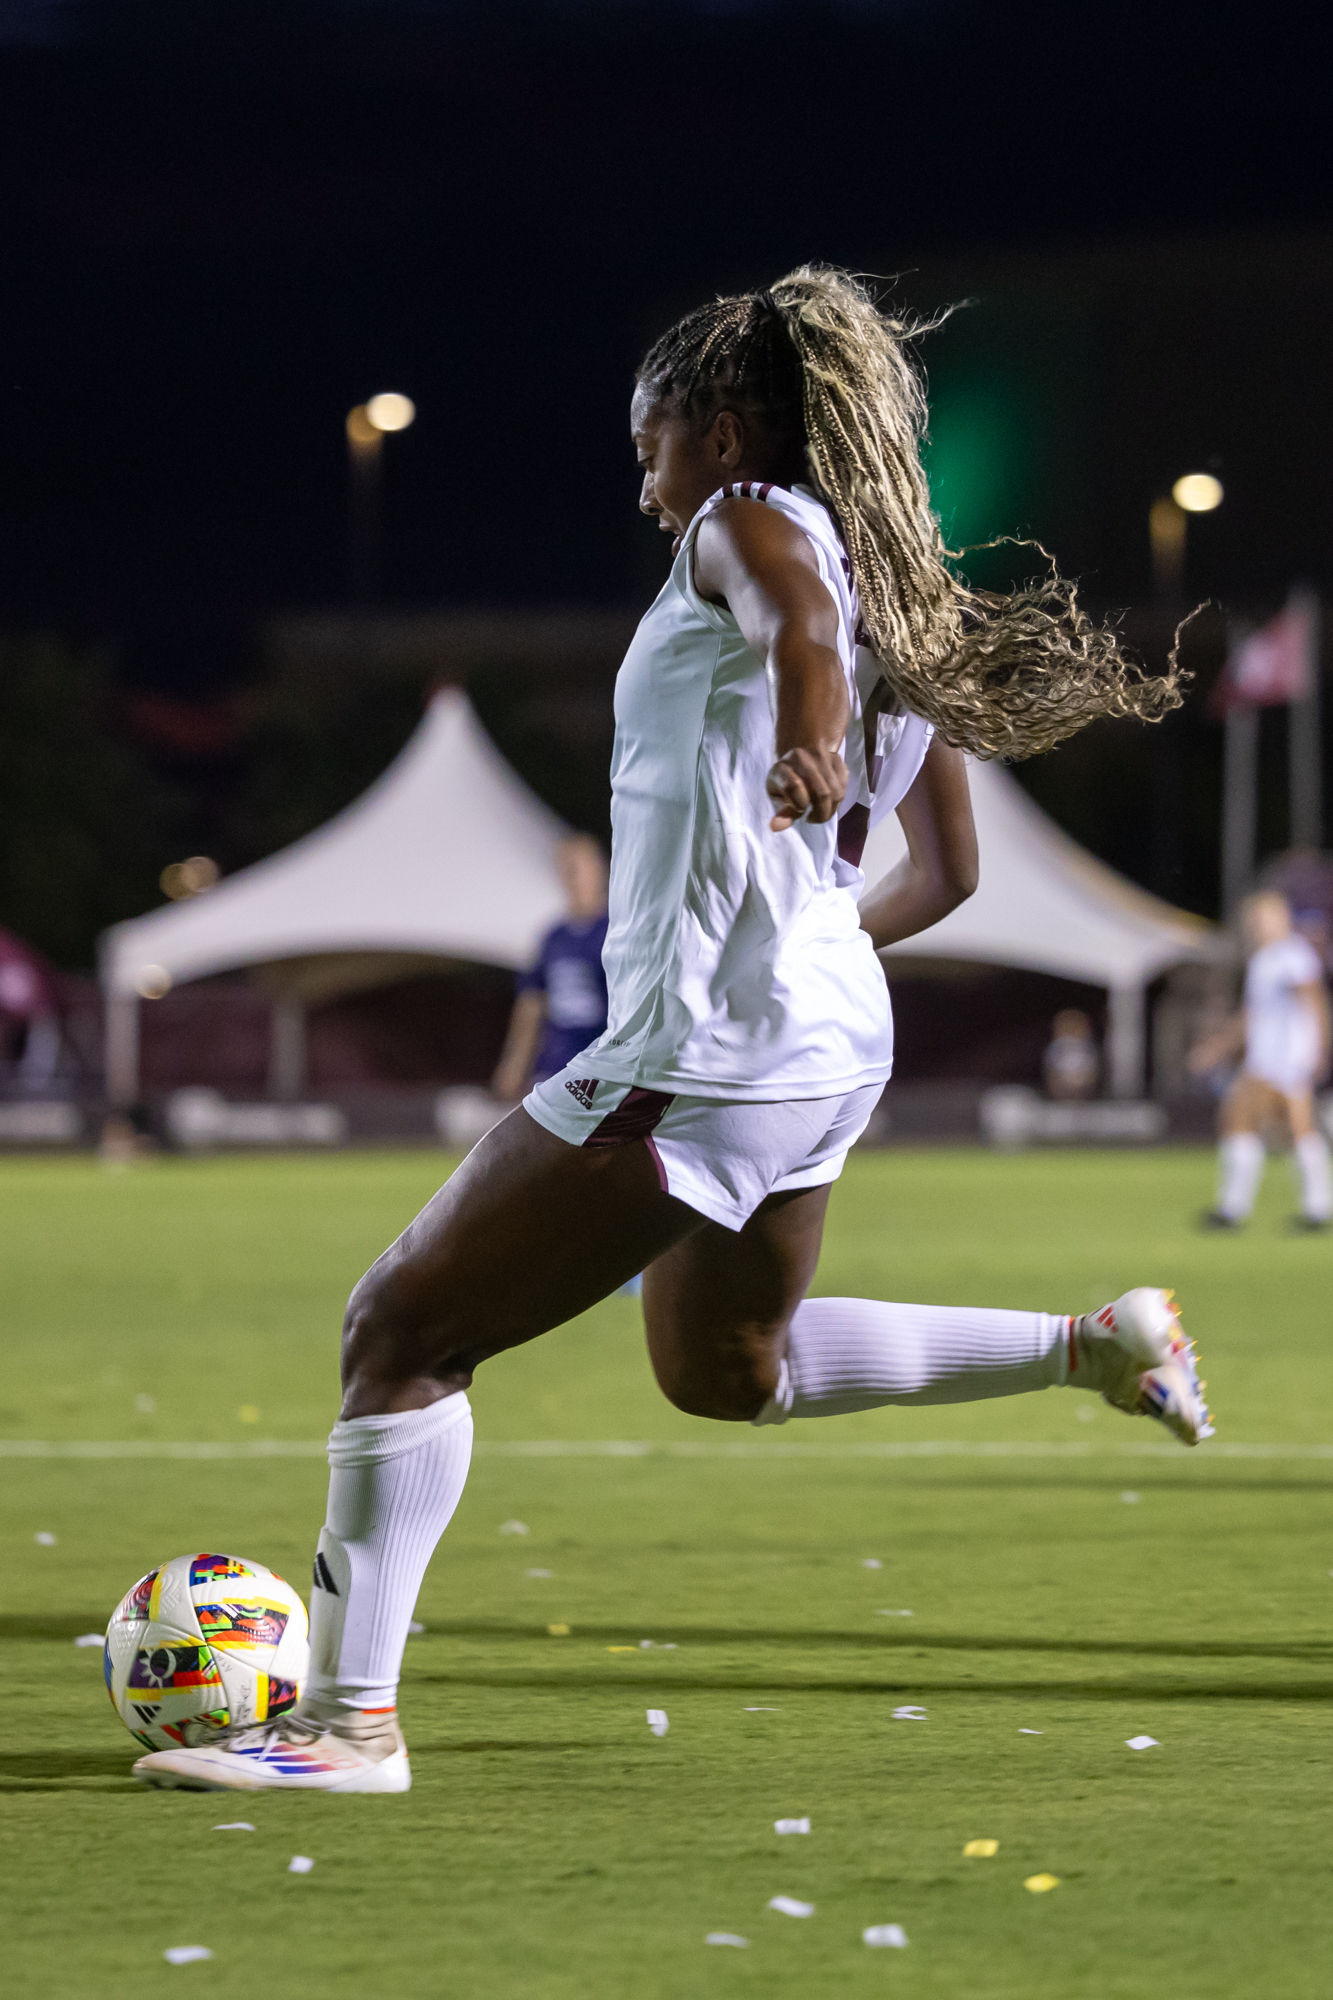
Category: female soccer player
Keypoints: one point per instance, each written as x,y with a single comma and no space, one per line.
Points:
1282,1034
810,663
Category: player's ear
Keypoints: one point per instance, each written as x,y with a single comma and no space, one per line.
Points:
726,434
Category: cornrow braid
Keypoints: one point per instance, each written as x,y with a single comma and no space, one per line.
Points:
1002,674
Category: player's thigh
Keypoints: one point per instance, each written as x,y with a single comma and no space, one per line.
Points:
1250,1105
718,1304
1300,1113
527,1233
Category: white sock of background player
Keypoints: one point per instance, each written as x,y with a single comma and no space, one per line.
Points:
857,1354
1311,1162
1240,1168
394,1483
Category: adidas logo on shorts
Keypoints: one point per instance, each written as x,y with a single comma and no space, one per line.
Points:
583,1088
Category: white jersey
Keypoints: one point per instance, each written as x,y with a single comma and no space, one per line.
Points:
735,960
1281,1027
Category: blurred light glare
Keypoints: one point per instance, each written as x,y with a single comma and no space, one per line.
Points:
1197,493
360,430
390,411
152,982
189,878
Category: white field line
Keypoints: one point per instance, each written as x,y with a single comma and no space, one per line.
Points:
613,1448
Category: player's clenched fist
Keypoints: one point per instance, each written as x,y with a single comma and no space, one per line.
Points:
806,784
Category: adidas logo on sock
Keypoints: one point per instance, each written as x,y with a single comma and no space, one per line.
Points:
324,1576
584,1089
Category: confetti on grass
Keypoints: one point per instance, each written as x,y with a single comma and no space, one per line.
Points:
89,1639
545,1574
300,1864
513,1527
871,1562
186,1954
657,1721
980,1850
790,1906
1131,1499
416,1630
234,1826
893,1934
791,1826
909,1714
1032,1732
44,1539
1039,1884
1142,1743
726,1937
558,1631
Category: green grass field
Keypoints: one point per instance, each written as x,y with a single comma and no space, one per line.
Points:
1068,1571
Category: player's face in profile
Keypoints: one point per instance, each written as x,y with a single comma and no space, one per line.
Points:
682,466
1265,918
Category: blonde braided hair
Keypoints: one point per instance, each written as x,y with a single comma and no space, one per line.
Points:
1002,674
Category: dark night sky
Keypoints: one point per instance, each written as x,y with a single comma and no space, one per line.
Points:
223,225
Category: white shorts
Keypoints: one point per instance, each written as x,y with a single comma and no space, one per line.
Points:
719,1156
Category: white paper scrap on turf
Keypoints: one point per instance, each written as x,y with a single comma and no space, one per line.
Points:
763,1711
893,1614
893,1934
1032,1732
909,1714
300,1864
1142,1743
234,1826
871,1562
544,1573
44,1539
791,1826
1131,1499
416,1630
726,1937
89,1639
657,1721
790,1906
186,1954
513,1527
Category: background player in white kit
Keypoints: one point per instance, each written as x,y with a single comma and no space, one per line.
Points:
810,662
1282,1032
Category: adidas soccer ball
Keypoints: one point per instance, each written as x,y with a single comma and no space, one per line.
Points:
205,1643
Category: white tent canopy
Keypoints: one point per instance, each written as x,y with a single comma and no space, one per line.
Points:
1045,905
447,856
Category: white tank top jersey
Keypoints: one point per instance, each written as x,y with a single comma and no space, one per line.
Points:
1281,1028
735,960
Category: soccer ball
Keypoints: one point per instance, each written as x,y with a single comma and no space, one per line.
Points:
203,1644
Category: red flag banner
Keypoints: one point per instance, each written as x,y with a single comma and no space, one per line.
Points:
1276,663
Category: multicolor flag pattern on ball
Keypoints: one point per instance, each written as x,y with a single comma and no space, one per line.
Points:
205,1643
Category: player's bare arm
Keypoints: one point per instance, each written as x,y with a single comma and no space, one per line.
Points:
761,568
940,869
1225,1044
514,1068
1315,997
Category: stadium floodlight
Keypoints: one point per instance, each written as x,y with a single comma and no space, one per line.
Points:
390,411
1197,493
189,878
152,982
360,430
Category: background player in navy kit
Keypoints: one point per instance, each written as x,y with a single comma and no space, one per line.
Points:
560,1005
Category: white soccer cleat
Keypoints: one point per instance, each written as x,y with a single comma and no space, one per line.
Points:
294,1754
1136,1352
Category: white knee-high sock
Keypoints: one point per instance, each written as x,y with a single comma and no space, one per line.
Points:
1311,1161
856,1354
1240,1168
394,1483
